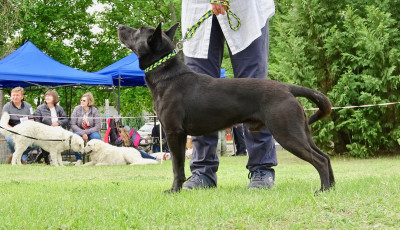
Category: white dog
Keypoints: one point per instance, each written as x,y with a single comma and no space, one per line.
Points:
105,154
42,134
161,156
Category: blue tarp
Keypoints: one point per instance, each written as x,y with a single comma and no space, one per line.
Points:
128,69
29,65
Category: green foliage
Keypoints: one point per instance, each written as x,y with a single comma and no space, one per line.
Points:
349,51
9,17
345,49
64,32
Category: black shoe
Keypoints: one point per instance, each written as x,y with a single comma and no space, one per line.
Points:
241,154
39,157
198,181
46,157
261,178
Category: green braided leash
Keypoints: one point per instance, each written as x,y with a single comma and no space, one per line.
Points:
192,30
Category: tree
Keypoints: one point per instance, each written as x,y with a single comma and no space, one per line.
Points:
64,32
347,50
9,17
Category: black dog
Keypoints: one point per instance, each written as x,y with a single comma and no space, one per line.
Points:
188,103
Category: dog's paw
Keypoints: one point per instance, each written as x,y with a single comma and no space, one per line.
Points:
171,191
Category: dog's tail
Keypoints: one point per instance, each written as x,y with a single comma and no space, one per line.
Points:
323,103
5,118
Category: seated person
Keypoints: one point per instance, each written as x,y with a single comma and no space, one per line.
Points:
155,134
126,138
17,105
50,113
85,122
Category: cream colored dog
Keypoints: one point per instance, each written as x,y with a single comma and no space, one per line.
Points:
105,154
42,134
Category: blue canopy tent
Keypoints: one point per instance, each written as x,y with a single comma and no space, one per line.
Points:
126,72
29,66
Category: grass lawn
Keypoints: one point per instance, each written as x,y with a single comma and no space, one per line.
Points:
367,196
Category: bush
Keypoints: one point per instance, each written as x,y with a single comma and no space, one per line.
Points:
349,51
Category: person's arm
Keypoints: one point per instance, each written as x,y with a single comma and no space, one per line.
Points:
95,122
30,111
62,117
38,114
74,123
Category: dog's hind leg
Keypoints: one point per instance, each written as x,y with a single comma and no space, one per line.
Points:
177,144
291,131
315,148
305,152
145,162
19,150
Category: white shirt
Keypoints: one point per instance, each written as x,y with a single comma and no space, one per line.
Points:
54,117
252,13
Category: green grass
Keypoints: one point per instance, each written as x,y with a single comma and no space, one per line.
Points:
131,197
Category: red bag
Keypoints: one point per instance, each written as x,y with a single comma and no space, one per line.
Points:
85,126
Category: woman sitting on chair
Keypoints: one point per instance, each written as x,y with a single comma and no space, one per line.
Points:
85,121
50,113
126,138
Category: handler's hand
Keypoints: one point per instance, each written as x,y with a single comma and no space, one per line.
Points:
218,9
85,137
55,124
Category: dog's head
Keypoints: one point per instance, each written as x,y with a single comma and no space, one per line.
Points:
148,43
77,143
92,146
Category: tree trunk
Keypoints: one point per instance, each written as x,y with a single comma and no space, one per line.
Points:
172,10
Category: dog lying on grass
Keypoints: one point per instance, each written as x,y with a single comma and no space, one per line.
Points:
42,134
188,103
105,154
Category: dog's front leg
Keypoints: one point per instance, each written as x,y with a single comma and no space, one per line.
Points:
54,158
177,143
59,157
90,163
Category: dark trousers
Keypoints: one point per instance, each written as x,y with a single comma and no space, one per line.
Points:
45,155
238,137
249,63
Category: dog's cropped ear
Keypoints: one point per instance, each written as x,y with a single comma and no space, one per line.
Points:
156,38
171,31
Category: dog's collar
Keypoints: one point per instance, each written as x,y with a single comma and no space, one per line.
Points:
164,59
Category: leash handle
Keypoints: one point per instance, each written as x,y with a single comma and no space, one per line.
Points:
230,14
192,29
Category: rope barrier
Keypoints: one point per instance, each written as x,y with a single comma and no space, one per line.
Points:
360,106
115,117
310,109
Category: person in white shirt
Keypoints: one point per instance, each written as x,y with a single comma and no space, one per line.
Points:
248,49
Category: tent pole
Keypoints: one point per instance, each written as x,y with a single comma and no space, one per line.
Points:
119,94
115,97
161,138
